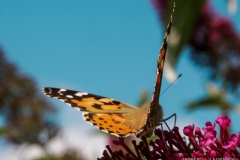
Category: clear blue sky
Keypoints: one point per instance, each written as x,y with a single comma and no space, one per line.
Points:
107,48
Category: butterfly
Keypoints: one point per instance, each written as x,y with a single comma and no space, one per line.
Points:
115,117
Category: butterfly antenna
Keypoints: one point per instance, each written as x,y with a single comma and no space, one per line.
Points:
172,83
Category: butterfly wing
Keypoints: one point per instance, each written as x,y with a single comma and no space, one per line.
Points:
160,64
155,112
107,114
88,102
118,124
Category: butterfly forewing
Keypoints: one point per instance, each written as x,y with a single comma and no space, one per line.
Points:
88,102
107,114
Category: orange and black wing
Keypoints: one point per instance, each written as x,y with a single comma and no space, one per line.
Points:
106,114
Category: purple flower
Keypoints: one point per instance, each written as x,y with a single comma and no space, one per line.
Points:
197,154
224,123
210,131
215,44
169,144
232,141
188,131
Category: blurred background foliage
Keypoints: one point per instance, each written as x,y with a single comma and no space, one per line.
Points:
215,50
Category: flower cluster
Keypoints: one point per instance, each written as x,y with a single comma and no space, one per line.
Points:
207,145
215,44
171,145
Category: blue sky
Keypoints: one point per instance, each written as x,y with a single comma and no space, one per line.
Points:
107,48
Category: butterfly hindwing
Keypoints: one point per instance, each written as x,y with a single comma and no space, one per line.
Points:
117,124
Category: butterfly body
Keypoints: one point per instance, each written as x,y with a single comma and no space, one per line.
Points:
154,118
113,116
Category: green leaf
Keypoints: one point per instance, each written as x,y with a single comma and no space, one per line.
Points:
216,98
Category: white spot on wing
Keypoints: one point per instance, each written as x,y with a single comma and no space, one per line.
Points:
80,94
62,90
68,104
69,96
76,108
84,113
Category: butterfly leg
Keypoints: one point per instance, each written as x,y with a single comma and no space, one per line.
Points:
164,120
175,118
163,138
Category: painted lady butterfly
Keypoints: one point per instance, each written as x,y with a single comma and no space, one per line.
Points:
114,117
